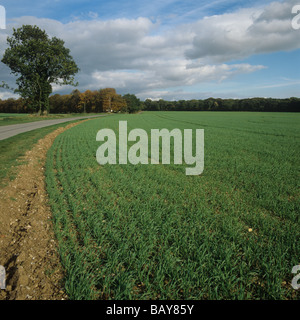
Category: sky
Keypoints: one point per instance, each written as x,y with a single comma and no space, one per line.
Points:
168,49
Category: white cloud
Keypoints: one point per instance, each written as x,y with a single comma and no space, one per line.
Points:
246,32
166,75
7,94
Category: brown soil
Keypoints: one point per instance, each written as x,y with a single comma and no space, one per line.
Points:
28,248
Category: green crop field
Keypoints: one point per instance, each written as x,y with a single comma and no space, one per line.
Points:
152,232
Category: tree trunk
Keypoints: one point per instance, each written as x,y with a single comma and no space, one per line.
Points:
47,104
40,98
40,108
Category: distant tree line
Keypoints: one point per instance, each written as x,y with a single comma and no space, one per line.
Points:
107,100
212,104
103,100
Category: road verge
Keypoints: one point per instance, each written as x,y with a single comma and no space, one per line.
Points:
28,249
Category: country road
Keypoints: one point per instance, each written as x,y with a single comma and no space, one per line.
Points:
14,129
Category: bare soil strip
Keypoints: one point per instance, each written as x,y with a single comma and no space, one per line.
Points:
28,249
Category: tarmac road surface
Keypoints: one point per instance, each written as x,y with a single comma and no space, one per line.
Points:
14,129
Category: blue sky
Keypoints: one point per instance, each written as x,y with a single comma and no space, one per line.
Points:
66,10
168,49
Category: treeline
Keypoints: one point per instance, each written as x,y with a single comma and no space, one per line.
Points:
212,104
103,100
107,100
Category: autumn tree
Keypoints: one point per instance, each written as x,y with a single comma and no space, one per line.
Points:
106,96
90,101
118,104
97,101
39,62
85,100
